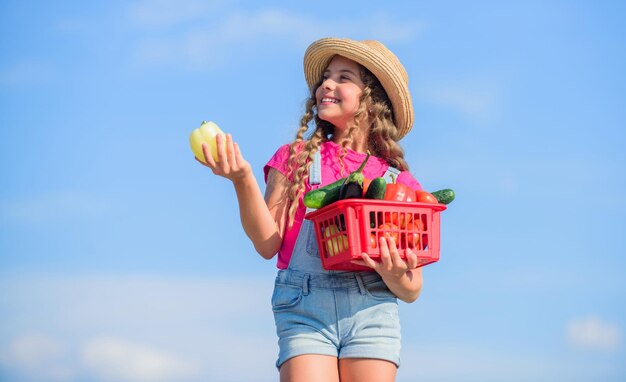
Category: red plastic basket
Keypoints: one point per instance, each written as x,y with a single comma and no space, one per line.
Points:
347,228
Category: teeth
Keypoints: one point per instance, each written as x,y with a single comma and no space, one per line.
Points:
330,100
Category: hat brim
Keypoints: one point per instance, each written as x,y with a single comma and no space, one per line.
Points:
378,60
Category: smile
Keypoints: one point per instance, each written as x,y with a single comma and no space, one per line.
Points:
331,100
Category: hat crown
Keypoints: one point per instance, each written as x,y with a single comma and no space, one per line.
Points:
392,58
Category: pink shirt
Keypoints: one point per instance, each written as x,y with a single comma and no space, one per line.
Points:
331,171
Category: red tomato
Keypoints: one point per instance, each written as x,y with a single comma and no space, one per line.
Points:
412,236
373,241
401,219
425,197
388,230
420,225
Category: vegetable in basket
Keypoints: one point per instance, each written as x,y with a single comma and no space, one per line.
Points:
376,189
425,197
389,230
412,234
323,196
335,242
399,192
445,196
353,186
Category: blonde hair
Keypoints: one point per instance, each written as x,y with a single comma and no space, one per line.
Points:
382,138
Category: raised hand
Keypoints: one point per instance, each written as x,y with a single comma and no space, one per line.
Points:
231,164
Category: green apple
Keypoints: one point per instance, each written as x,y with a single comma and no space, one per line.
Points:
206,133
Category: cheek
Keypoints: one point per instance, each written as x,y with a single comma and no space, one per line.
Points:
318,93
352,102
352,95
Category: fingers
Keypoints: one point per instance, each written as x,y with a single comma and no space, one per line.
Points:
367,261
385,256
208,158
230,150
389,252
390,257
238,156
393,251
390,261
221,149
411,259
230,162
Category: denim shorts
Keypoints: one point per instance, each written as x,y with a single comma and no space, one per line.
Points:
347,315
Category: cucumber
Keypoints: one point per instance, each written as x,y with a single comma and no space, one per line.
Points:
376,189
323,196
445,196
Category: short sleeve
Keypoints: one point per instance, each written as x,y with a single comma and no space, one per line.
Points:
278,161
407,178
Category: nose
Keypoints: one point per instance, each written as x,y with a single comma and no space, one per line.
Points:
328,84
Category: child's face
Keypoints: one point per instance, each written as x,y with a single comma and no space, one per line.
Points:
338,95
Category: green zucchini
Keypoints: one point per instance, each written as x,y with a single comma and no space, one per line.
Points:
323,196
376,189
445,196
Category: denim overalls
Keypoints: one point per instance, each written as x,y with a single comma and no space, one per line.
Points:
337,313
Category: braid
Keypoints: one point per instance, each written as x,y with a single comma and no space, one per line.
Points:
300,162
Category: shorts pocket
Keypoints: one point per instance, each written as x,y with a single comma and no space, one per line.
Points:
285,296
378,290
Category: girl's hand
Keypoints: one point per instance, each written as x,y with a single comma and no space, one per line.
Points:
231,164
391,266
402,277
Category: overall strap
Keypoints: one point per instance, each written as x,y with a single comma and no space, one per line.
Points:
315,172
389,172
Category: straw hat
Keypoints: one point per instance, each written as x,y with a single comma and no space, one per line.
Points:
377,59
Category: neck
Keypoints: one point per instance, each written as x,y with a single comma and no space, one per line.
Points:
359,141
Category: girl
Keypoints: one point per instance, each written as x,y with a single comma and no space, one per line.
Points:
332,325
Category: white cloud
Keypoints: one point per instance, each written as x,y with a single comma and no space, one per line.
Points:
478,361
53,206
39,356
209,44
302,29
594,333
115,359
165,13
141,328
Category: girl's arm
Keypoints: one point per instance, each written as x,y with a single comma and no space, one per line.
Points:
402,277
262,218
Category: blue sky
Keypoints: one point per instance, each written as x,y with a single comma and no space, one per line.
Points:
122,259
